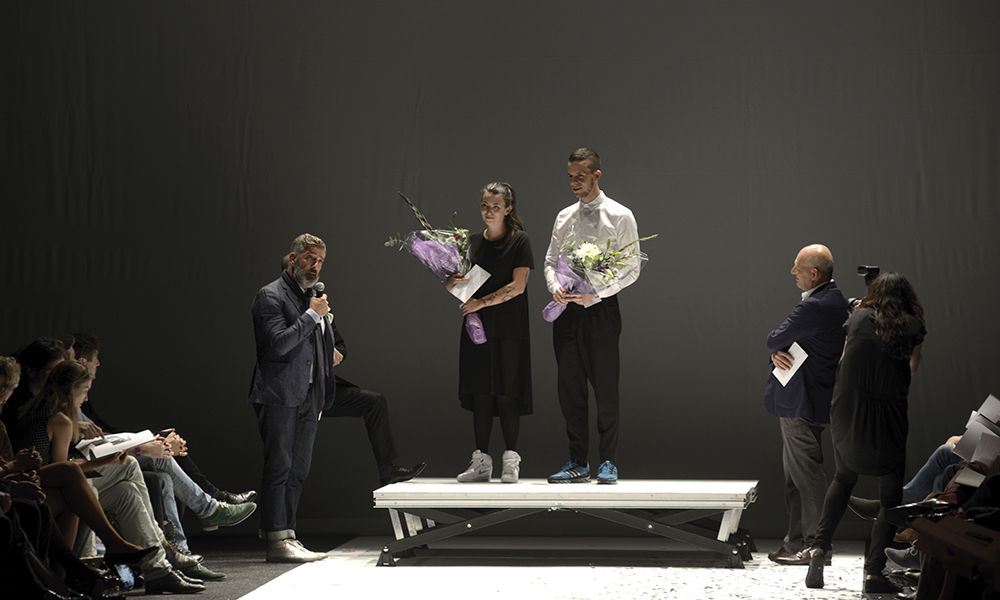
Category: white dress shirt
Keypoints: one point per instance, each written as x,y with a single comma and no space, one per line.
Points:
598,220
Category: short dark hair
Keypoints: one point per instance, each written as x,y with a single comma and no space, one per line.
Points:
587,155
39,353
86,345
68,341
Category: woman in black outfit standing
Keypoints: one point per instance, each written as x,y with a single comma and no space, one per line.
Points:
868,416
495,377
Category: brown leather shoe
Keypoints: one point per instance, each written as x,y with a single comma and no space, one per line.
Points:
906,536
779,553
865,508
801,557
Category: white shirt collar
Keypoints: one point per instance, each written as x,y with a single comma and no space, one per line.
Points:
593,204
810,291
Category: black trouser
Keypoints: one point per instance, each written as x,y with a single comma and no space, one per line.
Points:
586,346
890,488
352,401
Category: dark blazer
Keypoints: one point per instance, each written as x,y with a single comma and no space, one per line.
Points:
816,323
286,340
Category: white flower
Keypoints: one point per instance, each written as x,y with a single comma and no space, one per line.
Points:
588,250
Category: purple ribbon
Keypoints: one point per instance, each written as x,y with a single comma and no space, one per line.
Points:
571,282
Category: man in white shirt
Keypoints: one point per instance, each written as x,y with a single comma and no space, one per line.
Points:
585,335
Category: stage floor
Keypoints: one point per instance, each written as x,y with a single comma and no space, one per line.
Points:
562,568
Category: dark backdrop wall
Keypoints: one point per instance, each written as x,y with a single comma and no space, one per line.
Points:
158,158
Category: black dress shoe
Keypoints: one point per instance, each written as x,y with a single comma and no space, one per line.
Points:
134,559
814,577
172,583
880,586
86,580
401,474
189,578
231,498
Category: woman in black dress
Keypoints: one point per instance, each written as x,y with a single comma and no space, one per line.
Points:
495,377
868,416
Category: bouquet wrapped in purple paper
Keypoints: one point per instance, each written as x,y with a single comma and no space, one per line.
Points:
444,252
584,267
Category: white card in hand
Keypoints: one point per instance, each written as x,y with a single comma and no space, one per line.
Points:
799,356
477,276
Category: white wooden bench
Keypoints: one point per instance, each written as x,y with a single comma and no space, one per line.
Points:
703,513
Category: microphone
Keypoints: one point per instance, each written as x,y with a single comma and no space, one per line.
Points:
318,287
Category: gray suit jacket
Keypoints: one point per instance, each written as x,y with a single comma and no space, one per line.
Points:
286,340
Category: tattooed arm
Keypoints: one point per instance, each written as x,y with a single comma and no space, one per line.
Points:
514,288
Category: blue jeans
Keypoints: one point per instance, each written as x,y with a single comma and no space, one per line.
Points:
928,479
288,433
178,487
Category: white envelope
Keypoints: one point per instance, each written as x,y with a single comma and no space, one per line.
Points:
477,277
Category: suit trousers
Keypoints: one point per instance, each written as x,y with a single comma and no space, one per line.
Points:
352,401
586,347
288,433
805,479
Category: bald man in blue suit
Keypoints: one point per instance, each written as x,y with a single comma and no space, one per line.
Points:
803,405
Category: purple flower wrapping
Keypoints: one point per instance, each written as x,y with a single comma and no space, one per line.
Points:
443,260
570,281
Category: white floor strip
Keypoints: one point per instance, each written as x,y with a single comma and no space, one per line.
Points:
351,572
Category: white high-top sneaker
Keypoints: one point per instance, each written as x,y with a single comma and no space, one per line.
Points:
511,467
480,469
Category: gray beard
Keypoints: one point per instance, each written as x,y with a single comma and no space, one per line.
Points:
300,277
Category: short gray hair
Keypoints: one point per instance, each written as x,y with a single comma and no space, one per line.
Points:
304,241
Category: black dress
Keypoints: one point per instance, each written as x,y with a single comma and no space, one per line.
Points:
502,365
868,413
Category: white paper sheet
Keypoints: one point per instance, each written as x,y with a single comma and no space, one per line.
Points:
477,277
991,409
94,448
799,356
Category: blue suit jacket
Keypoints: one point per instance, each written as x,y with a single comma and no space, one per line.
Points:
286,346
816,324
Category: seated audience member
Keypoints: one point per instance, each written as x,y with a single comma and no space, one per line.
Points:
62,486
36,359
954,574
48,423
66,490
87,348
25,561
173,482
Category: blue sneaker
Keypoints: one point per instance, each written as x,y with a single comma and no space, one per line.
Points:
608,473
572,473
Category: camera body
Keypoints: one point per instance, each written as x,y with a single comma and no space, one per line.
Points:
869,272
